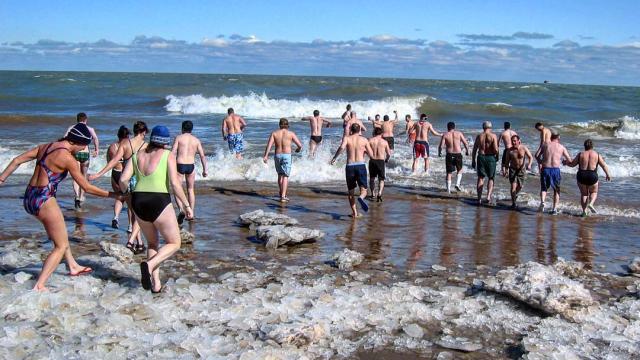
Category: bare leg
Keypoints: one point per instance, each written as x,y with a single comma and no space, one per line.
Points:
593,195
514,193
280,186
380,187
448,178
84,168
584,197
312,148
426,164
372,186
117,205
285,185
479,186
556,198
167,225
489,190
352,202
191,191
415,165
543,198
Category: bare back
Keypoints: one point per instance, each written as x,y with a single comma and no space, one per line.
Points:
588,160
387,128
379,148
487,143
452,140
282,139
552,153
112,151
356,147
545,136
315,123
129,146
422,130
233,123
186,148
505,137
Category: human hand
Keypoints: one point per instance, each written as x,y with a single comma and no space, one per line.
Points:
188,211
333,161
204,174
607,178
466,152
224,137
94,153
298,149
92,177
264,159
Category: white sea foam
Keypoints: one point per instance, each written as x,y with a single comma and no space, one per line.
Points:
499,104
261,106
626,127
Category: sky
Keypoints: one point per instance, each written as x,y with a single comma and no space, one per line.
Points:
587,42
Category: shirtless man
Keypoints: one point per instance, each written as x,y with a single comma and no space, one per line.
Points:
232,127
453,161
315,122
518,157
347,114
411,136
387,129
282,139
83,158
185,147
486,149
421,145
375,122
381,152
356,171
550,158
353,119
505,138
545,135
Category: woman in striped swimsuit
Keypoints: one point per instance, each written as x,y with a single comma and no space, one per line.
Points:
54,162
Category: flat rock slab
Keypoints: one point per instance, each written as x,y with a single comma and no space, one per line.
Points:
542,287
120,252
261,218
279,235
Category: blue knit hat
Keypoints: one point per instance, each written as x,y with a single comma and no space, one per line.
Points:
160,135
79,134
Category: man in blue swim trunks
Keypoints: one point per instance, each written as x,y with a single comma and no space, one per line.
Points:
550,157
282,139
232,127
355,170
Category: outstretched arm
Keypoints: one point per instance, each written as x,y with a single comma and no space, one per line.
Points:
433,131
343,145
440,146
243,123
326,122
268,148
71,164
96,142
203,159
573,162
17,161
296,141
224,129
369,150
566,154
110,165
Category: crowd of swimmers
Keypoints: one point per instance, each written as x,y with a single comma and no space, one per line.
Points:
144,174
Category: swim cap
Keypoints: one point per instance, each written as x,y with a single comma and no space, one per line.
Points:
79,134
160,135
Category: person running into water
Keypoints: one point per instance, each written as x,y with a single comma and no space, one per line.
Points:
387,129
282,139
505,138
83,158
126,148
116,172
550,158
54,161
232,128
346,115
184,149
411,135
353,119
485,155
315,122
453,160
377,159
375,122
545,135
421,144
518,157
355,170
587,176
155,169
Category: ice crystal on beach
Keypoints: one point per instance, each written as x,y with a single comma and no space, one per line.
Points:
259,217
347,259
278,235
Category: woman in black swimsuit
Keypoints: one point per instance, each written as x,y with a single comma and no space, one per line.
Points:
587,176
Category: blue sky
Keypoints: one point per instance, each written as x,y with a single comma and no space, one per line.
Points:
563,41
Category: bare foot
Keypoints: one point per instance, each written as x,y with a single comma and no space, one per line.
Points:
41,288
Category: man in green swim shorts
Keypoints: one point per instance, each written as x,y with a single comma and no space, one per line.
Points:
83,158
486,149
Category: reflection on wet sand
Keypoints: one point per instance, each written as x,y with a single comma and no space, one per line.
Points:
583,250
483,236
510,239
418,236
450,236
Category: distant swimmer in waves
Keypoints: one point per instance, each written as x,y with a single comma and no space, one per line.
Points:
505,138
156,171
346,116
587,176
84,158
377,163
232,131
485,156
355,169
421,144
453,141
184,149
550,158
116,172
54,161
316,122
282,139
375,122
518,158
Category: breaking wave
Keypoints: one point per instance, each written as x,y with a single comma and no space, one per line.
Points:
626,127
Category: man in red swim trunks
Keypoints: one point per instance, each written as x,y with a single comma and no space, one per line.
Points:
421,145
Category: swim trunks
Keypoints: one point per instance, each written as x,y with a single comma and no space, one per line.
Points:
550,178
377,169
517,176
390,140
356,174
453,162
283,164
235,142
316,139
412,137
486,166
587,177
185,169
115,176
420,149
82,157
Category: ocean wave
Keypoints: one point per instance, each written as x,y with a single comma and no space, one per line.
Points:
442,108
261,106
626,127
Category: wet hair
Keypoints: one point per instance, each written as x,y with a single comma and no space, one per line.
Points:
187,126
377,116
515,137
377,131
123,132
537,125
588,144
507,125
407,117
230,111
486,125
355,128
139,127
284,123
81,117
385,118
348,107
423,116
316,113
451,125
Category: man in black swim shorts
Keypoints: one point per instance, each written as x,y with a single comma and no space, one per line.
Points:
381,151
184,149
315,122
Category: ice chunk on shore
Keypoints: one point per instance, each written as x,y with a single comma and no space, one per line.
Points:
259,217
634,266
186,237
117,251
278,235
542,287
347,259
461,344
